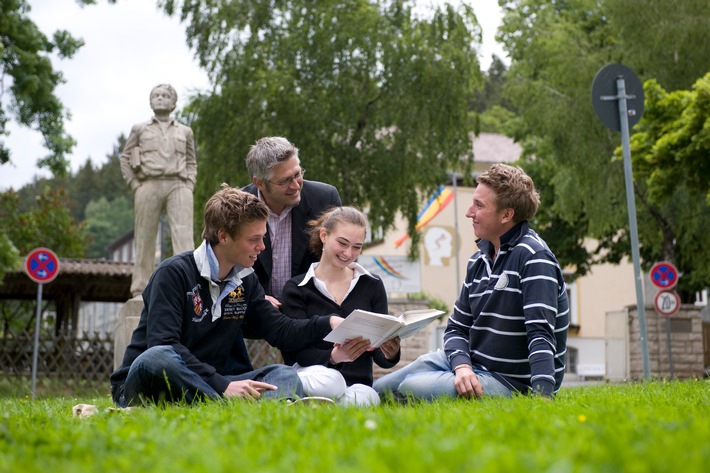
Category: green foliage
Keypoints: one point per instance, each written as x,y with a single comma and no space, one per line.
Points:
432,302
645,427
672,144
26,67
106,220
556,49
375,98
89,185
9,256
667,40
496,119
50,225
669,151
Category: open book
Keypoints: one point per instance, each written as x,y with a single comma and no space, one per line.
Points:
382,327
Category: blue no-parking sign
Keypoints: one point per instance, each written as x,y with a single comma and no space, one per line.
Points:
664,275
42,265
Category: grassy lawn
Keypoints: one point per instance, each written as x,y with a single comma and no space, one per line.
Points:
640,427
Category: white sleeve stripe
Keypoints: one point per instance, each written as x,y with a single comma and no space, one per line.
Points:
540,304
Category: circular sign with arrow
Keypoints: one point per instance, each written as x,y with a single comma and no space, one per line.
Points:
664,275
42,265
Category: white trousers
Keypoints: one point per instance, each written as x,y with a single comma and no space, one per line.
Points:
319,380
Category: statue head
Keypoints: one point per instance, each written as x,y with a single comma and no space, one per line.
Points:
155,97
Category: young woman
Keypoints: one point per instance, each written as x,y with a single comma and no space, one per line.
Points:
338,285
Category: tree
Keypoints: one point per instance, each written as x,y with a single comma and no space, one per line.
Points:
88,191
375,98
28,94
25,63
556,48
50,224
666,40
670,151
107,220
9,256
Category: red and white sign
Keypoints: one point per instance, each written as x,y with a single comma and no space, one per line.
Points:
664,275
42,265
667,303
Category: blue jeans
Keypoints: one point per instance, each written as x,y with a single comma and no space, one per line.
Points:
430,376
159,374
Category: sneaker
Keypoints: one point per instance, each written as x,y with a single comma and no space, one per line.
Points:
313,400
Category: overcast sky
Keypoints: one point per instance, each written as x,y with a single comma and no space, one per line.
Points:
130,47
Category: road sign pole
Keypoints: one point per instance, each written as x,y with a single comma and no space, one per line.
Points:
42,266
668,342
35,350
631,204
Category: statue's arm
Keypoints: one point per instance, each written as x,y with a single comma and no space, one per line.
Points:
190,158
128,154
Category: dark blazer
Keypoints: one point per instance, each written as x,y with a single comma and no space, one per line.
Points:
315,198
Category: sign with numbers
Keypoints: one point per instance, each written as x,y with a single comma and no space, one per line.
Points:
667,303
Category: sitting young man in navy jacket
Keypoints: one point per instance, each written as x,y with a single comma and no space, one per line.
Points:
187,345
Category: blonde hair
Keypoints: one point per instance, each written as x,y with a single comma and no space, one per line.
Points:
231,209
513,189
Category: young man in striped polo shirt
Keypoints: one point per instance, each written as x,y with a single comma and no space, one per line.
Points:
508,329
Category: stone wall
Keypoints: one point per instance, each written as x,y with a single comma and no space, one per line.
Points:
417,344
686,342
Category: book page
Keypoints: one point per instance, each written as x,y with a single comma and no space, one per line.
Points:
361,323
417,320
411,316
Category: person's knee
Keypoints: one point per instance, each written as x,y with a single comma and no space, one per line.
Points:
319,380
360,395
157,358
286,379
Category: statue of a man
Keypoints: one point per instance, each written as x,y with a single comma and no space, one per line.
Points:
158,162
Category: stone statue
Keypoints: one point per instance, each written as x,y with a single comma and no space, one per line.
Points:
158,162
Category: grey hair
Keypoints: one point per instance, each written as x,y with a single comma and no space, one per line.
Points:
268,152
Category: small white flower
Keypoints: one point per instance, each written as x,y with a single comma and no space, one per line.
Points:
370,424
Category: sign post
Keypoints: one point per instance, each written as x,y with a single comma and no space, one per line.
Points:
613,87
42,266
664,276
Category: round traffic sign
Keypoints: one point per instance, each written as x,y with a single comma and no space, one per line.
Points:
664,275
42,265
667,303
605,95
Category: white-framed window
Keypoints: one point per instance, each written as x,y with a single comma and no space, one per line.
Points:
437,337
571,297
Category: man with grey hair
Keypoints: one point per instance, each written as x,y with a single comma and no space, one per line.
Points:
277,179
158,162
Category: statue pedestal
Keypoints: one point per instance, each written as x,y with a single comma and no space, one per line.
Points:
128,318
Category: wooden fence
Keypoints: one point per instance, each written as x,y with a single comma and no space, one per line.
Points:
80,362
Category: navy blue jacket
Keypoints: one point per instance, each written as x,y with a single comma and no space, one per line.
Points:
177,313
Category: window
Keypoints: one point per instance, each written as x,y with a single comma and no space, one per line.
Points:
572,297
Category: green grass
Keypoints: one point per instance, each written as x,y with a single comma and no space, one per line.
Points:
641,427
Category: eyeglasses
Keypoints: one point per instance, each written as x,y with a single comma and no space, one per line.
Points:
287,182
